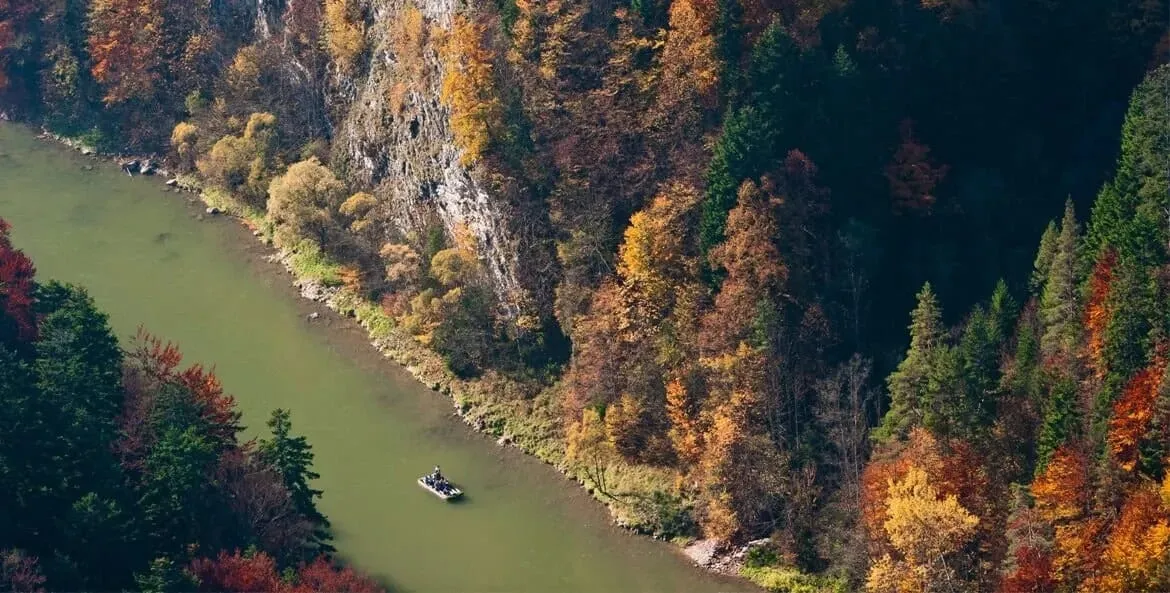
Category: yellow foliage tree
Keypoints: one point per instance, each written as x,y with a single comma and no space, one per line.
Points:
357,208
469,87
409,36
303,200
684,432
345,33
183,139
589,451
1137,556
623,426
739,468
243,75
927,531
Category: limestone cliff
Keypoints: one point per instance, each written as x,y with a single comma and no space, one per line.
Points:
393,137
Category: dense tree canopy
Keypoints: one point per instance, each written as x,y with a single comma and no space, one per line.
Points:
721,212
122,470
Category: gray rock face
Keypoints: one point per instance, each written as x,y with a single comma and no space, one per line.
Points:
702,552
407,153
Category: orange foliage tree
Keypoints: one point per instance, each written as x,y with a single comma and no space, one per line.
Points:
1136,558
1097,313
125,44
1133,411
469,87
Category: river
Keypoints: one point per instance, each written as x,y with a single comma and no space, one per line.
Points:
147,260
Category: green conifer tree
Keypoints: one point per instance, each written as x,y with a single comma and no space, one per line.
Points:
1060,310
908,384
292,456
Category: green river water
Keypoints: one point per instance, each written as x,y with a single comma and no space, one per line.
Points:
203,284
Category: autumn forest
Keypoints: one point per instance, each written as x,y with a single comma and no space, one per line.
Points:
884,282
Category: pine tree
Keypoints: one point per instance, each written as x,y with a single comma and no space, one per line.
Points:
79,384
910,382
1060,312
292,456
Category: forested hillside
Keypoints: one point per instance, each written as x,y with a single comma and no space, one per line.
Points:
681,238
120,470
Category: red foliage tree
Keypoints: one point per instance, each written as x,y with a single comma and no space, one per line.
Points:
321,576
240,573
16,290
1133,411
237,573
14,17
911,175
1033,573
151,364
20,572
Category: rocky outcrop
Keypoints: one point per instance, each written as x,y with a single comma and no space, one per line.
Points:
401,146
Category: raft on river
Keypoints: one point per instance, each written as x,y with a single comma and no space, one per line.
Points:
439,486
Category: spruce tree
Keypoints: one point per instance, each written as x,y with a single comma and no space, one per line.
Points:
909,383
978,354
1043,259
292,457
1060,311
1131,213
1002,313
1127,335
1061,419
740,154
164,576
729,42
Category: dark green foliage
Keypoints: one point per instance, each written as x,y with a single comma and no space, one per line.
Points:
760,556
1002,313
1127,336
465,335
292,456
98,476
739,155
914,380
1132,213
164,576
1061,420
979,355
175,495
508,14
1044,255
1060,303
666,516
729,39
1025,377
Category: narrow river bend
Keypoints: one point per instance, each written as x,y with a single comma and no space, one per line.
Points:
205,285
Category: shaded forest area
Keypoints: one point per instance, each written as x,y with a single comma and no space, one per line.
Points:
121,470
725,210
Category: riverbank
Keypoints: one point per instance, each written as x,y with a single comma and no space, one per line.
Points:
513,413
